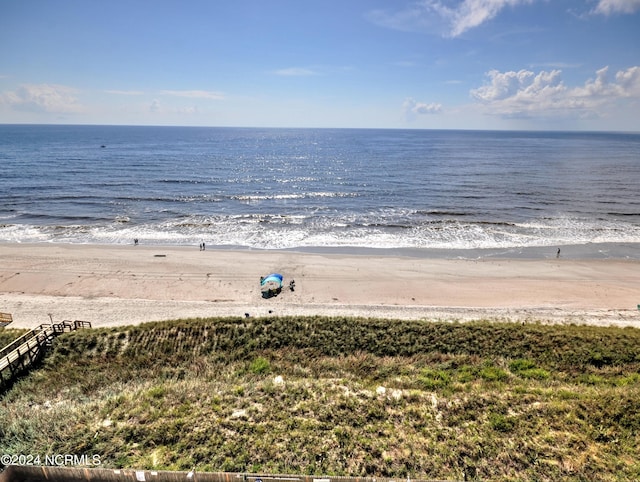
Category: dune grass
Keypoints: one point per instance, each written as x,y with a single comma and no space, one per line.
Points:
339,396
7,335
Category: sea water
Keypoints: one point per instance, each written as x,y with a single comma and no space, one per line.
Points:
409,191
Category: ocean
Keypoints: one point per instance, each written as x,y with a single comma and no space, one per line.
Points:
447,193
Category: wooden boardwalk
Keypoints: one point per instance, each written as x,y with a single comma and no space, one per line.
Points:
23,352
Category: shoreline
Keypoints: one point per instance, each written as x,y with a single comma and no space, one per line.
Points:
112,285
589,251
606,251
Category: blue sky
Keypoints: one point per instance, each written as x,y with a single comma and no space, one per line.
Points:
453,64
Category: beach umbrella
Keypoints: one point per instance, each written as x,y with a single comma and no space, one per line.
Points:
271,284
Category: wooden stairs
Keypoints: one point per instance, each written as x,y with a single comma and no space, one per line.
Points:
19,355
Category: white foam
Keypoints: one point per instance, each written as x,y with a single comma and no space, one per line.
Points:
284,231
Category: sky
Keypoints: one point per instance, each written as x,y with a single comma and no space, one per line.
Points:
414,64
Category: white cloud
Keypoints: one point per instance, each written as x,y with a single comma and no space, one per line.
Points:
190,110
195,94
50,98
296,72
599,87
609,7
125,92
419,16
412,108
522,85
557,65
164,111
437,16
529,94
629,81
472,13
453,18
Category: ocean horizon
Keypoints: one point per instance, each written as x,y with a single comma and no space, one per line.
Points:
443,192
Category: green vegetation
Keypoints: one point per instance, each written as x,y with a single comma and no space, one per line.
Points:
339,396
8,335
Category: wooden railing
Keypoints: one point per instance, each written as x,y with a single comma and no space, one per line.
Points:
23,352
5,319
16,473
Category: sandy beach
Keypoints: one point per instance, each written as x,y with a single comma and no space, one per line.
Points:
122,285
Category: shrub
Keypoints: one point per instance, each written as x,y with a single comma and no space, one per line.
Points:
433,379
501,423
535,373
260,366
521,364
158,391
491,373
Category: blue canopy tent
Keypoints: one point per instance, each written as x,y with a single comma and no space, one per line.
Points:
271,285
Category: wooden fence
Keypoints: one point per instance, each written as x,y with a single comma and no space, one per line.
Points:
60,474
